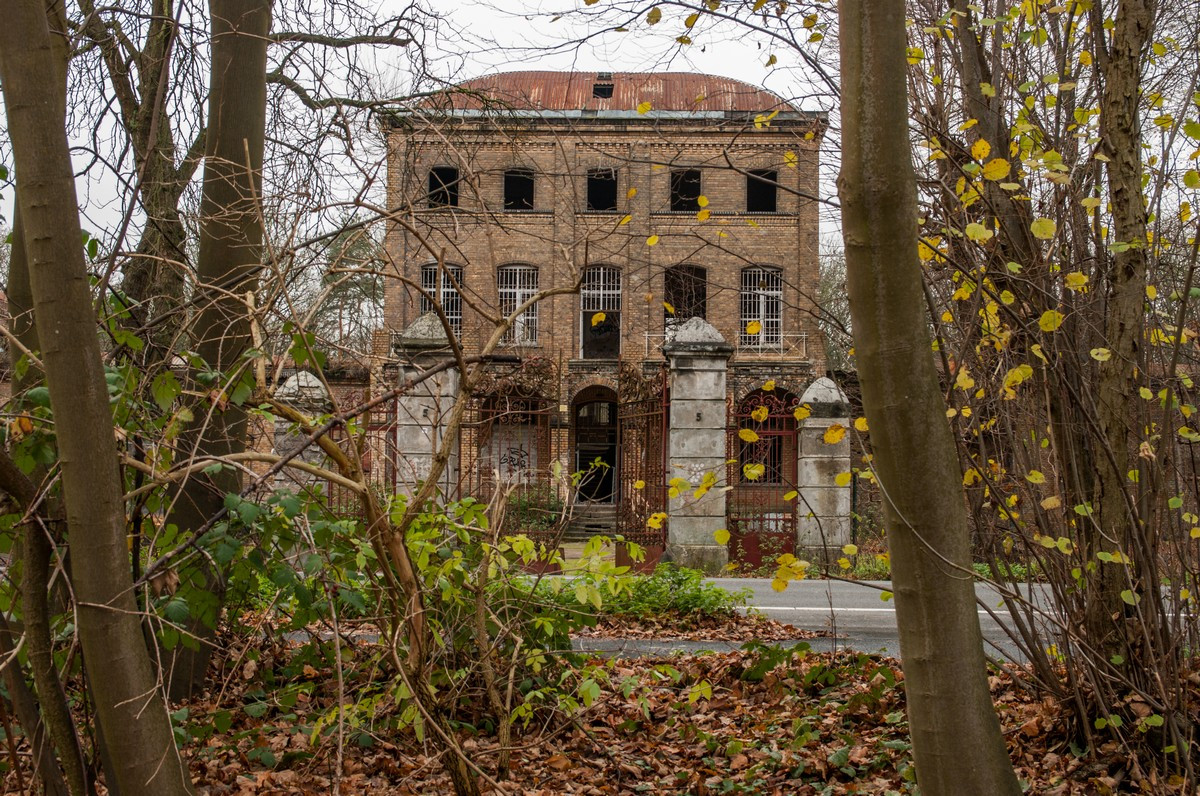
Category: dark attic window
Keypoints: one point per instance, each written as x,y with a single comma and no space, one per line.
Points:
518,189
602,189
761,191
685,190
602,90
443,186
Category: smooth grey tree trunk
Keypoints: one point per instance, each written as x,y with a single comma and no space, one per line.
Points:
128,703
955,733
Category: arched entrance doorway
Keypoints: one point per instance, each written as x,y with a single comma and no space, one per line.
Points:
595,422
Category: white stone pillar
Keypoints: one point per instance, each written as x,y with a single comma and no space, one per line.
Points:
824,507
698,358
422,412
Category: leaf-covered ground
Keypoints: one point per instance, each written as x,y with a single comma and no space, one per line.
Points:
758,721
698,627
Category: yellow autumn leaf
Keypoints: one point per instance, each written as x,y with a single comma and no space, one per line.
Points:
996,169
834,434
1052,502
978,232
779,584
1145,393
860,425
1007,297
624,220
703,214
850,549
1043,228
1050,320
1101,354
655,520
981,149
843,479
644,107
769,385
963,380
598,318
652,240
1151,292
802,412
1035,477
747,435
721,536
669,308
754,327
639,484
790,496
971,476
654,16
1075,280
844,563
702,201
753,472
789,159
760,413
632,192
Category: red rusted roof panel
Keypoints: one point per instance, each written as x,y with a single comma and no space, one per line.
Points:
665,91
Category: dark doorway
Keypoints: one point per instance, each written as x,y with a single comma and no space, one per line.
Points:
596,444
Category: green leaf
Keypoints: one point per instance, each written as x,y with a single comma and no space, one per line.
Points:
165,388
222,720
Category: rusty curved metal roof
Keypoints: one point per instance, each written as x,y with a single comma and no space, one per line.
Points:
560,91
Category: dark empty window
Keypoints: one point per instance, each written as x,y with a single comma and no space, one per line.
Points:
685,293
443,186
685,190
761,185
602,189
518,189
602,90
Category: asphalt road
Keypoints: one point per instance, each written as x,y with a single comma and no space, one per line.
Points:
854,612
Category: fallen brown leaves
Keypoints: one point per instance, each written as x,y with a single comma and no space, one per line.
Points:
697,627
775,724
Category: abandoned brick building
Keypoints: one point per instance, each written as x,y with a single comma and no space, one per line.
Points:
676,214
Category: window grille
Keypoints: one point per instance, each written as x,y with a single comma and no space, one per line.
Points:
518,284
601,289
447,295
762,301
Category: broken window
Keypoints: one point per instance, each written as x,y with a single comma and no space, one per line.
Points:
762,308
518,284
685,190
518,189
600,312
443,186
602,189
438,283
685,294
761,188
602,90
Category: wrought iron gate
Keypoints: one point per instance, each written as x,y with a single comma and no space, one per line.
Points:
642,412
762,453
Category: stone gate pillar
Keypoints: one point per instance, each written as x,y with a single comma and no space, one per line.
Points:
698,358
305,392
422,412
824,507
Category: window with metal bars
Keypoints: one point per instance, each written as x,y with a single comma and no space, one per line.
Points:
762,302
685,293
437,283
517,284
600,312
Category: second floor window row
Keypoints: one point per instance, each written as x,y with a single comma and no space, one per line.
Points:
601,189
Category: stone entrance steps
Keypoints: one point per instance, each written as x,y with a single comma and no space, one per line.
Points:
591,519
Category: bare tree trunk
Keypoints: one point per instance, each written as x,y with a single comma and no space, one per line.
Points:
231,235
1120,136
127,698
955,733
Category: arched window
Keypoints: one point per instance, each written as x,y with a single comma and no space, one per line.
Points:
685,293
600,312
438,284
517,284
762,303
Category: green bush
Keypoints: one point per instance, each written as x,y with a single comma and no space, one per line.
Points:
670,590
533,508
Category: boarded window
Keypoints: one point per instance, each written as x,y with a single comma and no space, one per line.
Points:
600,312
602,189
685,190
438,284
518,189
443,186
685,293
761,189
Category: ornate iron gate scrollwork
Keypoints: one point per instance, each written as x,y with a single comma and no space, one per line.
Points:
642,412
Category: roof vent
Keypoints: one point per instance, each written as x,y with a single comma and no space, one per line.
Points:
603,90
